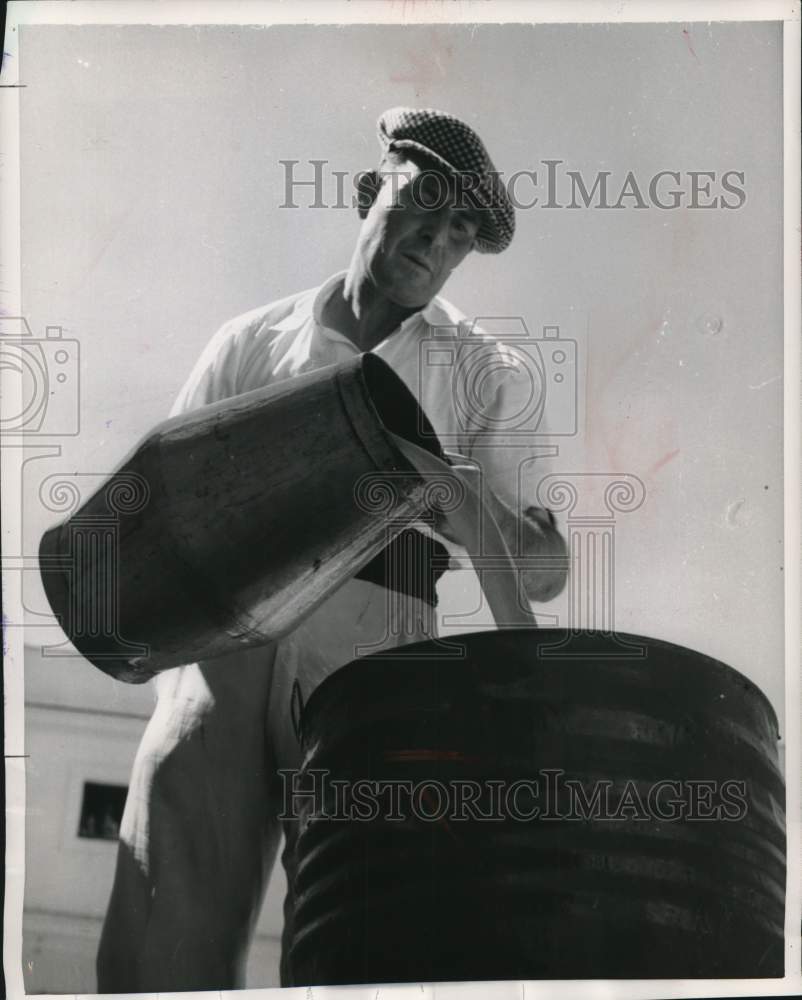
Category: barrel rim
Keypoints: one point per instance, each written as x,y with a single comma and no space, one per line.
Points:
405,654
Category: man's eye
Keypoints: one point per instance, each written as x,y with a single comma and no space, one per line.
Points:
462,226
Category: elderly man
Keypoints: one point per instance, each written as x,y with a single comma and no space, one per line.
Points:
201,829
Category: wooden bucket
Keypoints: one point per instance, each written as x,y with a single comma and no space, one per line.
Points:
256,509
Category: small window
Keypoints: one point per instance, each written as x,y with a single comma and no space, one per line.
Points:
102,811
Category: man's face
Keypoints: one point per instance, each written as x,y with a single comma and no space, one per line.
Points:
415,233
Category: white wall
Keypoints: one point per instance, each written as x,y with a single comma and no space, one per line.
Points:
151,187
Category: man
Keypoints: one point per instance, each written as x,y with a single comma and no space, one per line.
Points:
200,830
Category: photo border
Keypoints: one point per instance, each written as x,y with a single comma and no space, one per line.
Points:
252,12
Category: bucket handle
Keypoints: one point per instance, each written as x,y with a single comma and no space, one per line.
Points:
297,710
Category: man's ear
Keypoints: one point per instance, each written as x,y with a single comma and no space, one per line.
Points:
368,186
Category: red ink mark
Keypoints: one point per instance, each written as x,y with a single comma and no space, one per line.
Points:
613,458
687,36
663,461
426,66
428,755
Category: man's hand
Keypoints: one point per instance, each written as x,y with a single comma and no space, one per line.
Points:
539,537
533,535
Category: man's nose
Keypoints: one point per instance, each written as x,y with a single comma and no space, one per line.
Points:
435,227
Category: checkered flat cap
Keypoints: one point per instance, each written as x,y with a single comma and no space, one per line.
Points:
457,148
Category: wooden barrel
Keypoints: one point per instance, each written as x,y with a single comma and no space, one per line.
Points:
566,806
256,508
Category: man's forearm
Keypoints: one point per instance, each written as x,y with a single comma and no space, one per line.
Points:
533,536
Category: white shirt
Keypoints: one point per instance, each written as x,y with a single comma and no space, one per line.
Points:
477,392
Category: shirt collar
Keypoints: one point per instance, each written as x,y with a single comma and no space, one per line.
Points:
429,312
